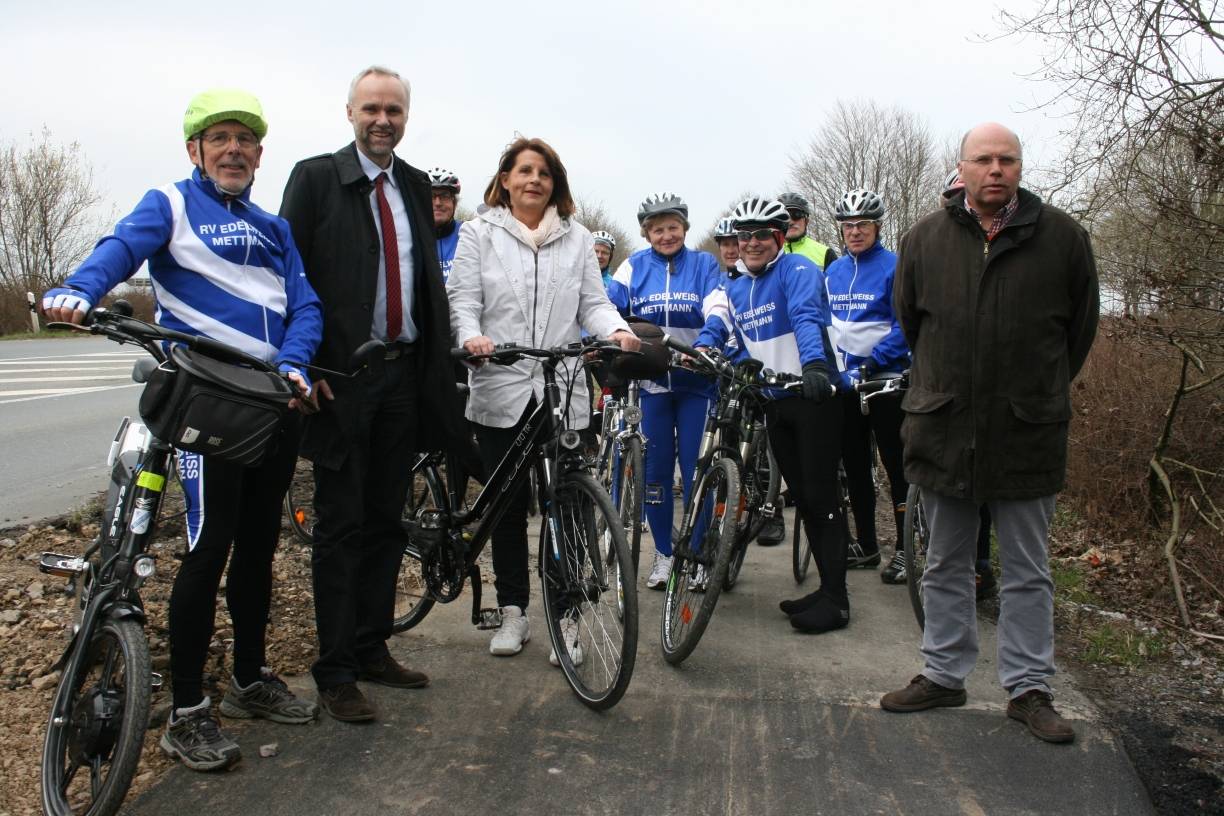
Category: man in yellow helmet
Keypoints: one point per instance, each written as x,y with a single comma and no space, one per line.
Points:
221,268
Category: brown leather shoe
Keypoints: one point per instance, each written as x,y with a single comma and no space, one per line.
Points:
346,703
390,673
1035,709
920,695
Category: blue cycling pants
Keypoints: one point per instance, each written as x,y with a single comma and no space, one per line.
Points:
672,423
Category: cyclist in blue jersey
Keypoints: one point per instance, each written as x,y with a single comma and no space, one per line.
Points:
780,318
728,246
221,268
868,342
680,290
445,186
605,248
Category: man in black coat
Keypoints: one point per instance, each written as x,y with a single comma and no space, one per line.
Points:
362,219
998,297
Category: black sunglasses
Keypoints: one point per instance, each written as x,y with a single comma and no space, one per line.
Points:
762,234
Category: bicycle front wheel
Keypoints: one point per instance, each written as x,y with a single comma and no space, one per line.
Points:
631,485
299,502
915,541
590,592
801,550
97,724
686,608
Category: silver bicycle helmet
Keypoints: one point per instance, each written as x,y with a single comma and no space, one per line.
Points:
662,204
725,228
767,212
441,177
951,184
794,201
859,203
605,238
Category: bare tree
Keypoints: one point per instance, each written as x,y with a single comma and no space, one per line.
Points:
48,218
888,150
1145,169
594,216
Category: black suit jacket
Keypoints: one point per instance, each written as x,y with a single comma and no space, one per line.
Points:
327,205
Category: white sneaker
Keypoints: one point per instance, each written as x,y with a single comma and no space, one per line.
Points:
659,572
512,634
700,581
569,636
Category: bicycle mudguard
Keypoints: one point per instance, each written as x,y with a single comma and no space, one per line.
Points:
125,610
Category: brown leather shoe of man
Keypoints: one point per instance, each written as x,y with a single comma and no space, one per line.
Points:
1035,709
390,673
346,703
920,695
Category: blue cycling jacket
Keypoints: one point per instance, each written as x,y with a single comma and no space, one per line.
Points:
779,315
683,295
446,249
221,267
863,328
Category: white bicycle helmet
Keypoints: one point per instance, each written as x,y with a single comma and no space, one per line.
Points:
605,238
662,204
951,184
859,203
441,177
767,212
724,229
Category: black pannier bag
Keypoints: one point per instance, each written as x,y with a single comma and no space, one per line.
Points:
200,404
651,364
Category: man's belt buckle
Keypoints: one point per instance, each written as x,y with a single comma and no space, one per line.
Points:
395,351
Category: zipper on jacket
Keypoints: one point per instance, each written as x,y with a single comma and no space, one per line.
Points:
667,310
535,297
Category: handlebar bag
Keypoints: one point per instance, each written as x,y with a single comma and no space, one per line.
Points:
201,404
651,364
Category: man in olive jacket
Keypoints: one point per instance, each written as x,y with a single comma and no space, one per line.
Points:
362,219
997,295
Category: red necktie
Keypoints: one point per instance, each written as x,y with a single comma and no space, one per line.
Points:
390,247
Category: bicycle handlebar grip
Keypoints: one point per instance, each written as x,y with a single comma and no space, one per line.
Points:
677,345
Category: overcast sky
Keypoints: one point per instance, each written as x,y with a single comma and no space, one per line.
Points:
706,99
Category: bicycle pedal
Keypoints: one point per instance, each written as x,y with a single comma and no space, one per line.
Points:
65,566
155,681
489,619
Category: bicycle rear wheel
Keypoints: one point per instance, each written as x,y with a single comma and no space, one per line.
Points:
801,550
687,611
97,723
412,599
915,541
590,593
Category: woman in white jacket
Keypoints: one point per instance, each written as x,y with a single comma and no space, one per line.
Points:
524,272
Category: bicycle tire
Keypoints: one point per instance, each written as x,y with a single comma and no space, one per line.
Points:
412,599
299,506
75,732
684,619
601,596
755,519
632,476
801,550
915,541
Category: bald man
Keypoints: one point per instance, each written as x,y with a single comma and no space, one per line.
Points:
997,296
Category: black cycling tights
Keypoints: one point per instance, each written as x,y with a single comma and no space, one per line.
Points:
227,504
884,422
805,439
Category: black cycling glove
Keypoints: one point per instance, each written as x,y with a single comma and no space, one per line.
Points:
816,385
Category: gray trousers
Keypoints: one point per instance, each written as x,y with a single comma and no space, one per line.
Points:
1026,594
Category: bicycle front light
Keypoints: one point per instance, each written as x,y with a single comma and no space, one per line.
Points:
633,414
144,568
570,439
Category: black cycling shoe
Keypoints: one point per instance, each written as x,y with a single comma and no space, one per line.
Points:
869,560
825,615
800,604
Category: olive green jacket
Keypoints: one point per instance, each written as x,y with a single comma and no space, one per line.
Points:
998,331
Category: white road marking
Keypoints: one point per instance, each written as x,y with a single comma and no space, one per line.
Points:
65,379
59,392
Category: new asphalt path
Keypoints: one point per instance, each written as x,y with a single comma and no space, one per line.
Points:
758,721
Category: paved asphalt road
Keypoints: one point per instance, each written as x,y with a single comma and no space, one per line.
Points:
60,403
759,721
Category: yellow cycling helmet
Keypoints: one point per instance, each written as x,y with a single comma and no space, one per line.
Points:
220,105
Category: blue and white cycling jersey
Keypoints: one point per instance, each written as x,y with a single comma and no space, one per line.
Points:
779,315
221,267
446,249
863,328
683,295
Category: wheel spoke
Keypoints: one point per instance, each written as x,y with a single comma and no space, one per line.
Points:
95,777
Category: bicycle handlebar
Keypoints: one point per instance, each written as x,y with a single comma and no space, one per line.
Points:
510,353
